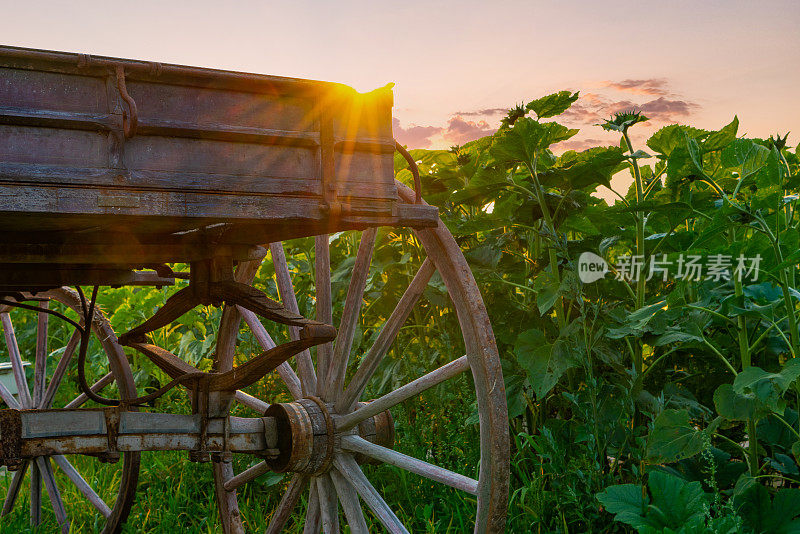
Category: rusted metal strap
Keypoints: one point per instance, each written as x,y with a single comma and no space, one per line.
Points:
412,165
130,119
327,435
11,438
112,417
328,162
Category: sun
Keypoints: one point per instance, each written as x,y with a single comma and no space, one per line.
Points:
365,85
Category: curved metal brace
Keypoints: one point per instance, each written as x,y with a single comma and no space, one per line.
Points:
414,171
130,120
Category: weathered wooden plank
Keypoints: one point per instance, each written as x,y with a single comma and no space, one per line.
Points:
54,146
37,89
117,252
223,207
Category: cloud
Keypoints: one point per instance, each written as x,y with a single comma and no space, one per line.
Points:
593,108
457,132
414,136
664,109
648,86
460,131
488,112
580,144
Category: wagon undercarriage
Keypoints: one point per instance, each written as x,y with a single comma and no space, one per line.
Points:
118,172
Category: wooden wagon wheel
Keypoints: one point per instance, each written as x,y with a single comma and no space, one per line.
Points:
327,477
124,472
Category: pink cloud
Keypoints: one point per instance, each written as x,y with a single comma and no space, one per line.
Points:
593,108
460,131
663,109
488,112
648,86
579,144
414,136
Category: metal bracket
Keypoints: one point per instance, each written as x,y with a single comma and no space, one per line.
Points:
11,439
412,165
130,118
330,203
112,416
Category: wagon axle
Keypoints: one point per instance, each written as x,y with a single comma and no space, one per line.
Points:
292,437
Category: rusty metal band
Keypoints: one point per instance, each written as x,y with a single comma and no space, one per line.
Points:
412,165
10,438
112,417
130,119
328,162
330,439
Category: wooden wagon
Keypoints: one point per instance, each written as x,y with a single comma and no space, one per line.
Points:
112,172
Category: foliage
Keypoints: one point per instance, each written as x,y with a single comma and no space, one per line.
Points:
615,383
665,402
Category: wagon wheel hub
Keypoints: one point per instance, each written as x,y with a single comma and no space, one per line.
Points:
308,440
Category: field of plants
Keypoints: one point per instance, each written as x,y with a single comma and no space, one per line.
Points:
662,397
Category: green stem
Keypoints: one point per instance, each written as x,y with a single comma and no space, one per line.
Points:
784,283
640,280
548,219
721,356
746,360
785,422
751,468
709,311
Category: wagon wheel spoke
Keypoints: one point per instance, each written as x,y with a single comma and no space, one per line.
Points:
350,503
305,367
403,393
61,369
288,503
16,361
348,467
328,505
36,494
313,522
96,387
228,505
13,489
8,398
248,475
251,402
285,371
82,485
46,471
322,267
337,366
372,359
408,463
40,365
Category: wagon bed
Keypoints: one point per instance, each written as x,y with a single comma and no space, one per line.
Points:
110,164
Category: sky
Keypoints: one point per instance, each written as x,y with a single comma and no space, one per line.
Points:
458,65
